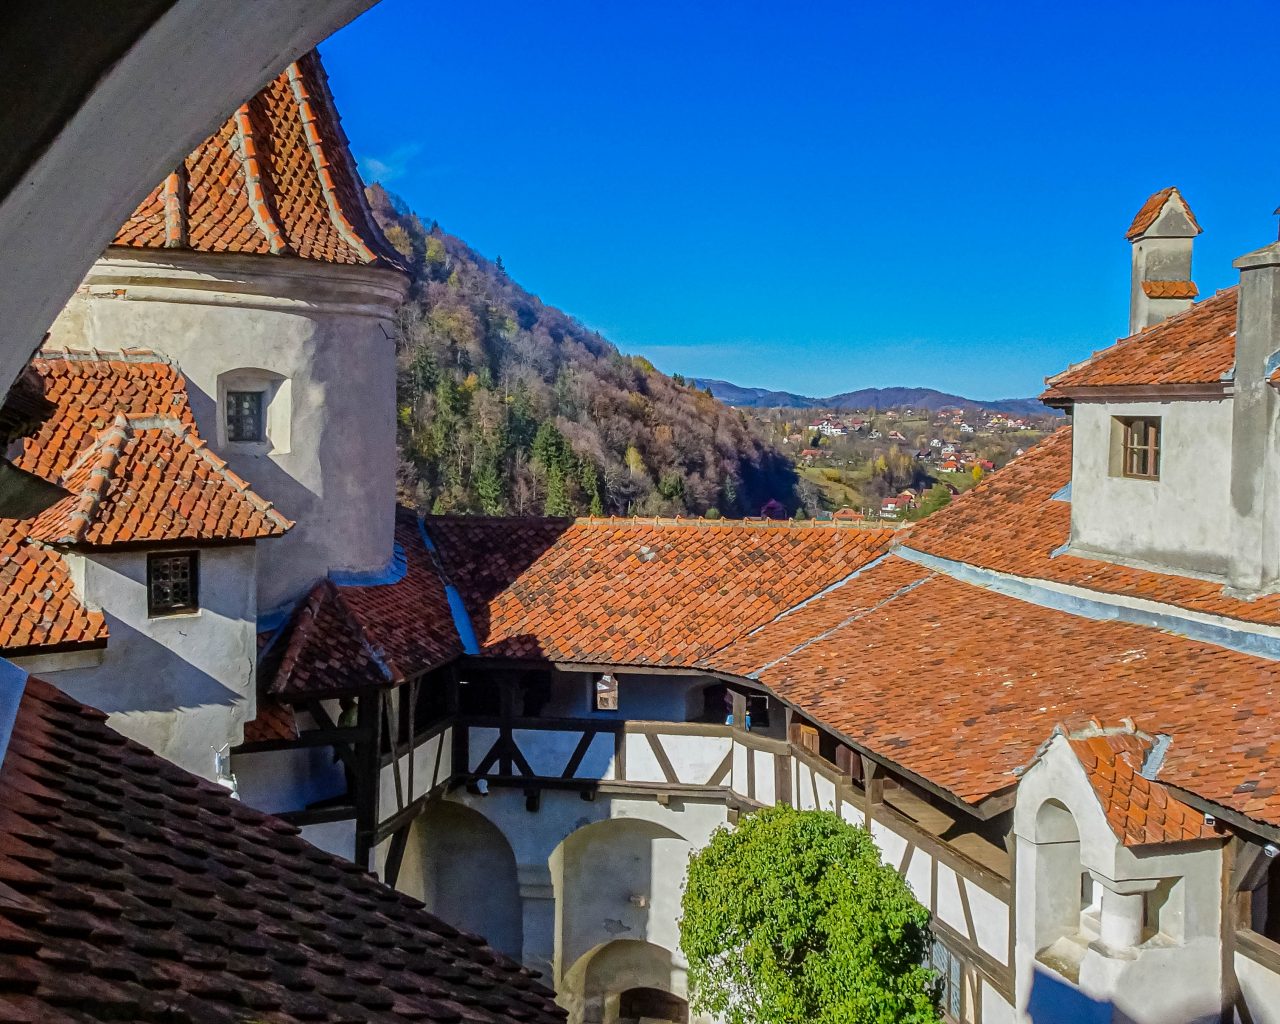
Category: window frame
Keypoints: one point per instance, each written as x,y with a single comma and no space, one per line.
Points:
260,394
953,980
1139,440
190,607
597,692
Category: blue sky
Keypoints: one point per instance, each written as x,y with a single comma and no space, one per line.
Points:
823,196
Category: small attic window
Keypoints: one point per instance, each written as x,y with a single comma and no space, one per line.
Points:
173,581
605,697
1135,447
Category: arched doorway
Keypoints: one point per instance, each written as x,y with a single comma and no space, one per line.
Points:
462,867
637,1005
1061,892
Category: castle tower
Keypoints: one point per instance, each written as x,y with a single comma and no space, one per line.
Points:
257,267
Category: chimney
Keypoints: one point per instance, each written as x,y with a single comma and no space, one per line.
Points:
1161,234
1255,557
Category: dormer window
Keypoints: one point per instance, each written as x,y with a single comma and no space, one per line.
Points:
1136,447
244,415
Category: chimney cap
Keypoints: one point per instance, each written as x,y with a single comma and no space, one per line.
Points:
1154,207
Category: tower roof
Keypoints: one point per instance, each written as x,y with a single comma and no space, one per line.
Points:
276,178
1153,207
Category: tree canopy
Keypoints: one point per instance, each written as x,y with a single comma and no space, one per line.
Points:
508,406
791,917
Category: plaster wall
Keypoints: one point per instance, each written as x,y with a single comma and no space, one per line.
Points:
1181,520
320,335
1175,973
642,697
182,685
287,780
1259,990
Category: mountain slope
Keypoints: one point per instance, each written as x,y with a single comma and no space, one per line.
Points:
868,398
508,406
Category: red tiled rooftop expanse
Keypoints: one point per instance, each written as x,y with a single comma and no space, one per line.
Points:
132,890
1197,346
636,592
87,391
961,685
1011,523
343,638
277,177
143,482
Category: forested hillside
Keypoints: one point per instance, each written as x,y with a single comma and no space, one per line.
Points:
508,406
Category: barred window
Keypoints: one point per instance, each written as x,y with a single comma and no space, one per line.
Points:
947,967
1140,447
244,416
172,583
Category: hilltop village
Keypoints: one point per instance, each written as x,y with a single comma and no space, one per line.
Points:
284,750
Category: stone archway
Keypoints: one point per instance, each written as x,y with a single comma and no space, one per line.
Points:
461,866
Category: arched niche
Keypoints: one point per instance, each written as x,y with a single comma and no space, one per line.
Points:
255,411
618,879
1059,887
625,981
462,867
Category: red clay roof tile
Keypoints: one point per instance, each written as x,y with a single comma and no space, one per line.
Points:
637,592
960,685
148,479
346,638
133,890
39,609
1011,523
1151,209
1170,289
1197,346
1139,810
276,178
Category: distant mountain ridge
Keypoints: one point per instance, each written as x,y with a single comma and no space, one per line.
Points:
867,398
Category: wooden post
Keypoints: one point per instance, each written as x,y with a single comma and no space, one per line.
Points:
873,787
368,759
739,710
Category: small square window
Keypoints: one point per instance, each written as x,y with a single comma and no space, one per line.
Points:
1139,451
606,693
244,416
173,583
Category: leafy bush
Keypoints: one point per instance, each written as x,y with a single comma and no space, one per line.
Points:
792,918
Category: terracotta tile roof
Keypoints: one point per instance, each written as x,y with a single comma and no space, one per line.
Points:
636,592
1170,289
39,609
346,638
86,391
274,721
1140,810
1011,523
276,178
1151,209
146,479
960,685
1197,346
132,890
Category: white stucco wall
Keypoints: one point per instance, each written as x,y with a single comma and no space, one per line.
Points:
183,685
1176,974
1181,520
323,332
1259,988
